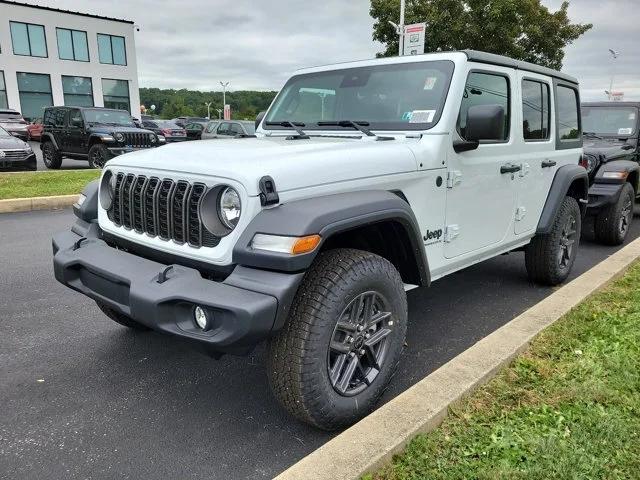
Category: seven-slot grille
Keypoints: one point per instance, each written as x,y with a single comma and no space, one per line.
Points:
163,208
138,140
15,154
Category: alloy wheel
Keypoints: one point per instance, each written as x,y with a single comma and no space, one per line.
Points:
625,217
567,242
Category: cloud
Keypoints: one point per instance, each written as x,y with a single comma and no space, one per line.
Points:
257,44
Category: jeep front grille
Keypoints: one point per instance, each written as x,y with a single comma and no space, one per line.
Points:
163,208
138,140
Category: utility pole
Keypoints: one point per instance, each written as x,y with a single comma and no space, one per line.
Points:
208,104
224,93
400,29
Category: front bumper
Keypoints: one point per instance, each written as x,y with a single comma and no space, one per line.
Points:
244,306
13,165
601,195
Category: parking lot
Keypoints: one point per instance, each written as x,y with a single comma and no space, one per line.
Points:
67,163
86,398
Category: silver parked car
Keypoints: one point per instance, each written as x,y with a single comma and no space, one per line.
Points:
227,129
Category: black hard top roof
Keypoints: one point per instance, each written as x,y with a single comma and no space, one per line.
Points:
493,59
611,104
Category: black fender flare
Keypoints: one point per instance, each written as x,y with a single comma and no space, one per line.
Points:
626,166
51,138
327,215
565,177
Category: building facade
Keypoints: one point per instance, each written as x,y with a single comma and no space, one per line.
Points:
57,57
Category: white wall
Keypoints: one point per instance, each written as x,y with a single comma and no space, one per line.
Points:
10,63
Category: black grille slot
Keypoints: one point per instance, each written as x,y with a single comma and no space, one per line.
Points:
161,208
137,140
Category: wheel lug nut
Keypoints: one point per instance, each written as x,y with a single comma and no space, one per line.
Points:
360,328
362,352
352,354
349,339
367,335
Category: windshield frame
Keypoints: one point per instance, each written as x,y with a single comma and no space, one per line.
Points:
398,126
98,109
4,132
612,107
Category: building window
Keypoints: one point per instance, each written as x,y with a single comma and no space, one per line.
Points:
77,91
35,94
111,49
536,110
72,45
116,94
3,92
28,39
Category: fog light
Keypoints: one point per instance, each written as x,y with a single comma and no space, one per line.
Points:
202,318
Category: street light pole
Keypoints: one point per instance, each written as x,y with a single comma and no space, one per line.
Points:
219,113
400,29
208,104
224,93
614,54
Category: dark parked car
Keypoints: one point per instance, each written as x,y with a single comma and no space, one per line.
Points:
12,122
611,156
91,133
228,129
35,129
15,154
169,130
194,129
182,121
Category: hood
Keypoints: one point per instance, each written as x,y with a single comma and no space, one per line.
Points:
291,163
11,143
608,148
13,125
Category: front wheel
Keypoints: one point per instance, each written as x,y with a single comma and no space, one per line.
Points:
549,257
51,157
612,224
98,155
342,342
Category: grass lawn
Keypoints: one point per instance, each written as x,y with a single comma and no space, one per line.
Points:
568,408
43,184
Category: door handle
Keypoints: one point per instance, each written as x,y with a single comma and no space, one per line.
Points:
549,163
510,168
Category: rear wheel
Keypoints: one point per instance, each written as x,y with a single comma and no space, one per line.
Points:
121,318
612,224
98,155
549,257
51,157
341,345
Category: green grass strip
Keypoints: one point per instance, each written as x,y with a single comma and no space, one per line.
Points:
568,408
44,184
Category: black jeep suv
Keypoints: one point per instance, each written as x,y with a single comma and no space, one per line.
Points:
92,133
611,157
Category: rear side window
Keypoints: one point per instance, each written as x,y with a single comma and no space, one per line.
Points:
54,117
536,111
567,114
485,89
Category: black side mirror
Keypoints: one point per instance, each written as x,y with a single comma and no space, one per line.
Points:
259,118
484,122
77,122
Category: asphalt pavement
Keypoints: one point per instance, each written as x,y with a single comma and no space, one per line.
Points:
67,163
82,397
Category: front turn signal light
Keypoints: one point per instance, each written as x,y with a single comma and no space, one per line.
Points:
618,175
289,245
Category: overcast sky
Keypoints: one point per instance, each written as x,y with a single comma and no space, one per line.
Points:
256,44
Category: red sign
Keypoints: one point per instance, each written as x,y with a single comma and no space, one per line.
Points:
227,112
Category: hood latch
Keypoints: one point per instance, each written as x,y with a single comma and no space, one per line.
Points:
268,192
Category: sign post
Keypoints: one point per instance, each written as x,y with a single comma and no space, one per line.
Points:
414,38
227,112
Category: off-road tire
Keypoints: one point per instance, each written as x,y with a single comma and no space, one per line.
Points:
121,318
99,155
612,224
542,255
298,356
51,157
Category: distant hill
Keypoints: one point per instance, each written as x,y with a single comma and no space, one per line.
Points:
172,103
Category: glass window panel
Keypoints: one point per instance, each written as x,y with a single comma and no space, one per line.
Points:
104,48
34,90
3,99
37,41
20,38
535,110
115,87
71,100
119,54
567,100
80,45
77,85
485,89
34,82
65,45
2,85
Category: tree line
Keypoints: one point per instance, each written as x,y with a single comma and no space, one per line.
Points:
171,103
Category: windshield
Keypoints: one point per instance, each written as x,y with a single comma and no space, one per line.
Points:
407,96
616,121
4,133
108,117
167,124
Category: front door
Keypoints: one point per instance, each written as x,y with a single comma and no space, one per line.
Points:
75,137
481,190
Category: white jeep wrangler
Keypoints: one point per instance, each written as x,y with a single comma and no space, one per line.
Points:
365,179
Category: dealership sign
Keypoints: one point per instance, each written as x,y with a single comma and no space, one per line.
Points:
227,112
414,38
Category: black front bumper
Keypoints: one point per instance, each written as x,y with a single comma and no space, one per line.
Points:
244,306
29,163
601,195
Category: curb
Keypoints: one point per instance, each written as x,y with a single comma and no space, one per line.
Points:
13,205
371,443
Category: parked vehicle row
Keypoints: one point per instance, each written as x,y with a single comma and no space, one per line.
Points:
12,122
15,153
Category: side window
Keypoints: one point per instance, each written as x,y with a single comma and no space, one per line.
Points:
567,114
58,117
485,89
75,118
223,129
536,110
211,127
235,129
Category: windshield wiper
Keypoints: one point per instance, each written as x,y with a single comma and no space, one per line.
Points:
296,126
592,135
358,125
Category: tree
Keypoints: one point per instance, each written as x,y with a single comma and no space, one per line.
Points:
521,29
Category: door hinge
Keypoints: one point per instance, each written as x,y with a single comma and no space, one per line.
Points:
520,213
451,232
454,177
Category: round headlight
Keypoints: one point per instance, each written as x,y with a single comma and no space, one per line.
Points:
229,207
119,137
107,188
592,162
152,138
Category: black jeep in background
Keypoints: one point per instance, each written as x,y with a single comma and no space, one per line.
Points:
611,157
91,133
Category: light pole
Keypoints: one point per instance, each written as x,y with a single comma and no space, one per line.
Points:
400,29
614,54
219,113
208,104
224,93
